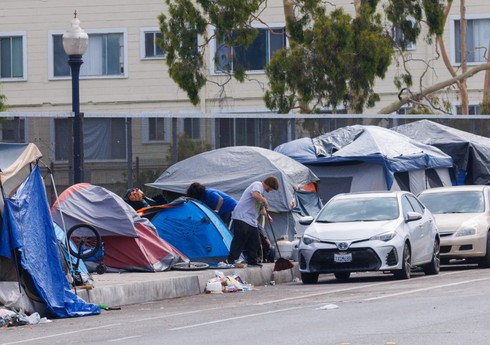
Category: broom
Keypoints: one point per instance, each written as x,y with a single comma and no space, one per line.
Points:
281,263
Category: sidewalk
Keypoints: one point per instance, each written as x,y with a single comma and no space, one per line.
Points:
117,289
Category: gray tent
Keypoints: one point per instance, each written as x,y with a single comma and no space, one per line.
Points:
233,169
470,152
365,158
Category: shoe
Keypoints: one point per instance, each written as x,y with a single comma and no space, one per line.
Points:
222,264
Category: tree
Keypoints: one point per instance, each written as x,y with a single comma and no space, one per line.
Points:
3,102
333,59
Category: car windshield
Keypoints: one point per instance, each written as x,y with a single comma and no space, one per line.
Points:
353,210
454,202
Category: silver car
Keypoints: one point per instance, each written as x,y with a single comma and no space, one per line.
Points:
369,231
462,214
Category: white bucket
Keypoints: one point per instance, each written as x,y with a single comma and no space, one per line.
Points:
285,248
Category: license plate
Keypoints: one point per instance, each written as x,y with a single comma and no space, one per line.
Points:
342,257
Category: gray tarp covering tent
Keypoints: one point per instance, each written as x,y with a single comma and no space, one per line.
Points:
470,152
233,169
364,158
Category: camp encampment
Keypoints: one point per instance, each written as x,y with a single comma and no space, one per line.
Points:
233,169
470,152
193,228
122,230
364,158
31,272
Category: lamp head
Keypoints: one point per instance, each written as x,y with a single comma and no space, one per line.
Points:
75,40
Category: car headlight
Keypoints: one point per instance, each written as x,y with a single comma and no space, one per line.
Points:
466,231
386,236
309,240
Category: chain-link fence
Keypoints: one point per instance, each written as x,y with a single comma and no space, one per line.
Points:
131,149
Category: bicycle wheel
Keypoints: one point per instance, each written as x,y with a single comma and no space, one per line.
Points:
85,240
190,266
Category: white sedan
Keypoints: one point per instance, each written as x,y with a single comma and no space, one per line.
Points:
462,214
369,231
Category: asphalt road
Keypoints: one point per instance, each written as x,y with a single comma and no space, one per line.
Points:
452,308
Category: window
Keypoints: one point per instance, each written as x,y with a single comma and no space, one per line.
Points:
266,133
12,130
12,58
253,58
473,109
105,56
477,34
156,129
103,139
192,127
149,49
399,38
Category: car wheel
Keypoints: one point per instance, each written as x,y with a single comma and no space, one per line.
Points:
485,261
309,278
404,272
434,266
342,275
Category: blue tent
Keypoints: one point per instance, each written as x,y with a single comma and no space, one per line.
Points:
28,238
364,158
193,228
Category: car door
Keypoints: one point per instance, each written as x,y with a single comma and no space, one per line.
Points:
426,233
414,228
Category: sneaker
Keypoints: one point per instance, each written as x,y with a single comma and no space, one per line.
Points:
224,264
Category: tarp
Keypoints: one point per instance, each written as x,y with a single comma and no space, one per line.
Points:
355,149
130,242
193,228
470,152
28,229
233,169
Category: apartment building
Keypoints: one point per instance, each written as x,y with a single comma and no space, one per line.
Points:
133,111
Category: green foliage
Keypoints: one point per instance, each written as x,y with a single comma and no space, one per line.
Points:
333,59
333,63
485,108
188,20
3,102
187,147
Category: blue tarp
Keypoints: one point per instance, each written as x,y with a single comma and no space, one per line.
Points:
195,230
28,228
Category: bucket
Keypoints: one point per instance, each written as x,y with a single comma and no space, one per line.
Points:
285,248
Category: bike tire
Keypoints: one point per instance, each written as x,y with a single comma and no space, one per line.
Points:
190,266
84,234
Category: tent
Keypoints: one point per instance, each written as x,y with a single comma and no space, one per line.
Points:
31,273
233,169
130,241
470,152
364,158
193,228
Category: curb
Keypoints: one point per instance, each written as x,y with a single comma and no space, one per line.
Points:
114,289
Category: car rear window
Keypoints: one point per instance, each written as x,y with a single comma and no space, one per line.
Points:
454,202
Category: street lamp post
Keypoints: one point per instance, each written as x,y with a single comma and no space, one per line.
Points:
75,42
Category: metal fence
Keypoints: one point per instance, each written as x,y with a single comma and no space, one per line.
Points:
122,150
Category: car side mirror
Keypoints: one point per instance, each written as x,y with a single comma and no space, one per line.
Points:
306,220
411,216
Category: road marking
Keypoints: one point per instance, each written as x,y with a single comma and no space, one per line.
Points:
424,289
62,334
350,289
120,339
236,318
175,314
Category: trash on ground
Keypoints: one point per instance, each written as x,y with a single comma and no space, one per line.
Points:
328,306
231,283
10,318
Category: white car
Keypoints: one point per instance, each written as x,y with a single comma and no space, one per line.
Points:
462,214
370,231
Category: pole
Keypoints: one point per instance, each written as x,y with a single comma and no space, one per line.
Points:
75,61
